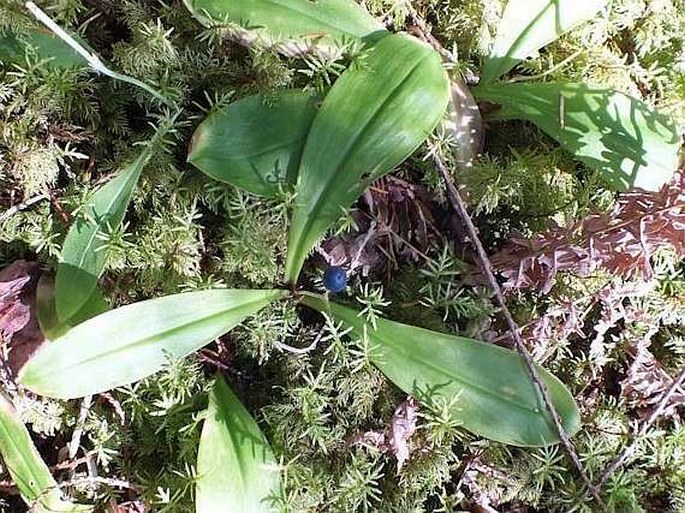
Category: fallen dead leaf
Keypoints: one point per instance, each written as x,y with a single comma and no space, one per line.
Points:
396,437
19,330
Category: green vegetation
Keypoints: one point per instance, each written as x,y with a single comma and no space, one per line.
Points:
608,320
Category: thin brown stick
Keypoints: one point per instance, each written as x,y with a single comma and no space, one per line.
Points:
459,207
630,449
9,488
72,464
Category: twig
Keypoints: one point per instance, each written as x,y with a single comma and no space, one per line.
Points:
72,464
90,480
21,206
75,442
300,350
460,208
116,406
92,59
213,358
355,260
108,481
63,214
628,451
9,488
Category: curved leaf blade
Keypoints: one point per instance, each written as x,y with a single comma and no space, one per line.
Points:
28,470
237,471
293,26
132,342
46,311
496,397
82,259
255,143
528,25
376,114
14,46
630,143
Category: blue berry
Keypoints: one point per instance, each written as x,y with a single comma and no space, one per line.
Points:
335,279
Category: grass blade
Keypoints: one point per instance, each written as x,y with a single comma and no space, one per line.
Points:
294,26
82,259
14,47
528,25
46,311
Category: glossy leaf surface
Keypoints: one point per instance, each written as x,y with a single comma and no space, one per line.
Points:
237,471
83,258
132,342
528,25
464,125
622,137
255,143
496,397
377,113
13,49
302,23
28,470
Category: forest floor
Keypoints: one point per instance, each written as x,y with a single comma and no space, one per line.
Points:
614,336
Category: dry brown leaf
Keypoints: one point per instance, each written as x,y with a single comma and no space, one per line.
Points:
395,223
395,439
14,314
19,328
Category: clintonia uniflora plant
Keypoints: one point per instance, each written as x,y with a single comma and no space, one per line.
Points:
327,151
628,142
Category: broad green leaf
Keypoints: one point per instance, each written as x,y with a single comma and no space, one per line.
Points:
255,143
13,49
631,144
29,472
377,113
46,312
83,259
237,471
528,25
132,342
292,26
495,395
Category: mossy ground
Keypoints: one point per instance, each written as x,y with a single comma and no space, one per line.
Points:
63,132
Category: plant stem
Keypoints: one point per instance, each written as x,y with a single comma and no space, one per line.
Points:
92,59
459,207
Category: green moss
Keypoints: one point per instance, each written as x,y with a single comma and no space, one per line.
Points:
66,131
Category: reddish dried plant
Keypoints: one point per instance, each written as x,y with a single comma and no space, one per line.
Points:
620,242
